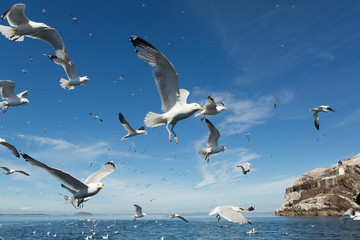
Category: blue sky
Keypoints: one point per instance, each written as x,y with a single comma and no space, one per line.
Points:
248,54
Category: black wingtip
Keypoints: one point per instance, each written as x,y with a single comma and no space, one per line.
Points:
110,163
142,128
25,156
207,121
137,41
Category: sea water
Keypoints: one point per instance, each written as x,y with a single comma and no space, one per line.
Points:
118,227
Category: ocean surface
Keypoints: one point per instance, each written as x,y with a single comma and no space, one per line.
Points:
120,227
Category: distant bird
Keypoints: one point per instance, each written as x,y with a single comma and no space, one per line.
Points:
31,59
70,70
21,26
178,216
245,167
251,208
7,92
90,34
248,136
230,213
252,231
316,110
121,77
11,171
96,117
131,131
88,188
43,10
74,18
275,103
319,137
210,108
173,99
212,146
24,70
11,147
138,212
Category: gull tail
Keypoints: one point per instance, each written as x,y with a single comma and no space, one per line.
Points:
69,200
10,33
154,119
65,84
203,152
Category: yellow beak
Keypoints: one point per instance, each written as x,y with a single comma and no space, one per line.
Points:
225,108
225,148
201,108
102,187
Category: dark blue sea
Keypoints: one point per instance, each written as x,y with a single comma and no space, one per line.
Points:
120,227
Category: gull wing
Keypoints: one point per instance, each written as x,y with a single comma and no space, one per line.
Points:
210,104
7,89
15,15
52,37
165,75
125,124
230,213
11,148
6,169
69,189
213,134
25,173
316,122
181,217
96,177
138,209
69,66
245,167
23,94
63,177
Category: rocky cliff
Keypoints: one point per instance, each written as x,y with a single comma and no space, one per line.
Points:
324,192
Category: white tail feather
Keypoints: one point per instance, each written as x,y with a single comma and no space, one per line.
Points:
203,152
65,84
200,113
69,200
154,119
9,32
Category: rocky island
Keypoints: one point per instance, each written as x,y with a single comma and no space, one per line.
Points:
324,192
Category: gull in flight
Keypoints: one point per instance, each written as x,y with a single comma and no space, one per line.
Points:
275,104
245,167
212,142
82,190
131,132
11,171
7,92
230,213
210,108
248,136
178,216
74,18
316,110
172,98
21,26
96,117
11,147
70,70
80,203
138,212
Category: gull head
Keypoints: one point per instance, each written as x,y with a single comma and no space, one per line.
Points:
196,106
100,185
224,148
24,100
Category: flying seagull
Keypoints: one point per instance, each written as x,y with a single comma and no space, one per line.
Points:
21,26
178,216
275,104
88,188
248,136
131,131
70,70
138,212
245,167
74,18
11,171
210,108
96,117
80,203
212,142
230,213
11,147
7,92
316,110
173,99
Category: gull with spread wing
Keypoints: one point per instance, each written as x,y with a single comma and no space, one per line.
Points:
230,213
210,108
11,171
245,167
138,212
131,132
316,110
82,190
175,215
173,99
7,92
212,142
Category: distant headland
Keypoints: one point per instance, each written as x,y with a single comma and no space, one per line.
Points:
324,192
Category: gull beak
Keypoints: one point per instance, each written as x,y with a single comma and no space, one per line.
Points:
225,108
48,26
87,79
242,211
145,132
225,148
27,100
201,108
102,187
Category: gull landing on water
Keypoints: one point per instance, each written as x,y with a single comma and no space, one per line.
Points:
131,132
316,110
173,99
7,92
210,108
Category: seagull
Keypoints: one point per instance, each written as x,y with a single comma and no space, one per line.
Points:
139,213
24,70
96,117
230,213
74,18
80,201
173,99
21,26
275,103
178,216
121,77
11,171
11,147
248,136
88,188
245,167
316,110
70,70
210,108
7,92
212,142
131,131
31,59
251,208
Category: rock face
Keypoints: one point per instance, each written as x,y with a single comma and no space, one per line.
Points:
324,192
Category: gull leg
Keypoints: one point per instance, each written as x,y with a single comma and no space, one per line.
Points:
202,119
4,109
175,137
167,128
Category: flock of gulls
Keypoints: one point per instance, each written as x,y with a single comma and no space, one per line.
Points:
173,104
